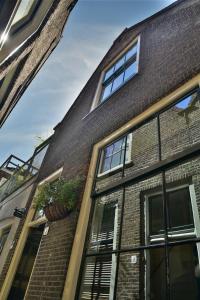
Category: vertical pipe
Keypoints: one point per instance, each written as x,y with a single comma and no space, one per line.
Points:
165,214
121,221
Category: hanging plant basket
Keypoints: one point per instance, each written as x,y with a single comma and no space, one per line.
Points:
55,211
57,199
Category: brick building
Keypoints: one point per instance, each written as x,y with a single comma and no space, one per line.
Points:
29,31
133,132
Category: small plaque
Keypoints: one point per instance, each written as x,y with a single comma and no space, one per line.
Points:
46,230
133,259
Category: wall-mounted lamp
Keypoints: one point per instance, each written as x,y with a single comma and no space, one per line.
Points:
19,212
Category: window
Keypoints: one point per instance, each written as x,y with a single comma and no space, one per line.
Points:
113,155
178,200
3,237
103,233
183,259
97,280
121,71
99,271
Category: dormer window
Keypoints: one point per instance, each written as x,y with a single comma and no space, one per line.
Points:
124,68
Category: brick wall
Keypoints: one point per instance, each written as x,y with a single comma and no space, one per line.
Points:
49,272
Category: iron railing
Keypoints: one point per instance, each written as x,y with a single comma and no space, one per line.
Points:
20,171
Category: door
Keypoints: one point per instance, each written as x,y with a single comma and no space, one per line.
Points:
25,267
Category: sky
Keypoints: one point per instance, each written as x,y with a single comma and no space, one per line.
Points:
92,27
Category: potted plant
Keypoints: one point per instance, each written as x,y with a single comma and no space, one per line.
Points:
58,198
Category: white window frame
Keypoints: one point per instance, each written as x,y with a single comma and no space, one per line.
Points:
114,258
96,102
129,155
175,234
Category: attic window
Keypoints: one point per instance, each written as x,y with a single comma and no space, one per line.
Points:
123,69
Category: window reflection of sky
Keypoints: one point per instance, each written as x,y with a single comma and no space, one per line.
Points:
23,10
185,103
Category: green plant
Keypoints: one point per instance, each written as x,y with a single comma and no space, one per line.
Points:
60,191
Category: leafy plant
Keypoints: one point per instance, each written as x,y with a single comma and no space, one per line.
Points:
60,191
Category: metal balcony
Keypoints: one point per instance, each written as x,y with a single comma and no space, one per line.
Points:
14,172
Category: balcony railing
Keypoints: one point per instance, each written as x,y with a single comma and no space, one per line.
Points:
18,172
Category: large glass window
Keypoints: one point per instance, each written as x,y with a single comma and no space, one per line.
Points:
151,237
121,71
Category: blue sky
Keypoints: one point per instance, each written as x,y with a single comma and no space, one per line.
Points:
90,31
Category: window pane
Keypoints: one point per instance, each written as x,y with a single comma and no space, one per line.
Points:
119,63
117,82
184,272
103,230
184,203
109,73
118,145
103,234
116,160
179,201
109,150
106,165
131,276
131,52
130,71
156,220
106,92
184,103
180,126
98,278
135,229
156,279
144,148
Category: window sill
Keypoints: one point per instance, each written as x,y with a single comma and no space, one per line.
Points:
114,170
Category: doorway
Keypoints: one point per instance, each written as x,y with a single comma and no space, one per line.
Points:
26,263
